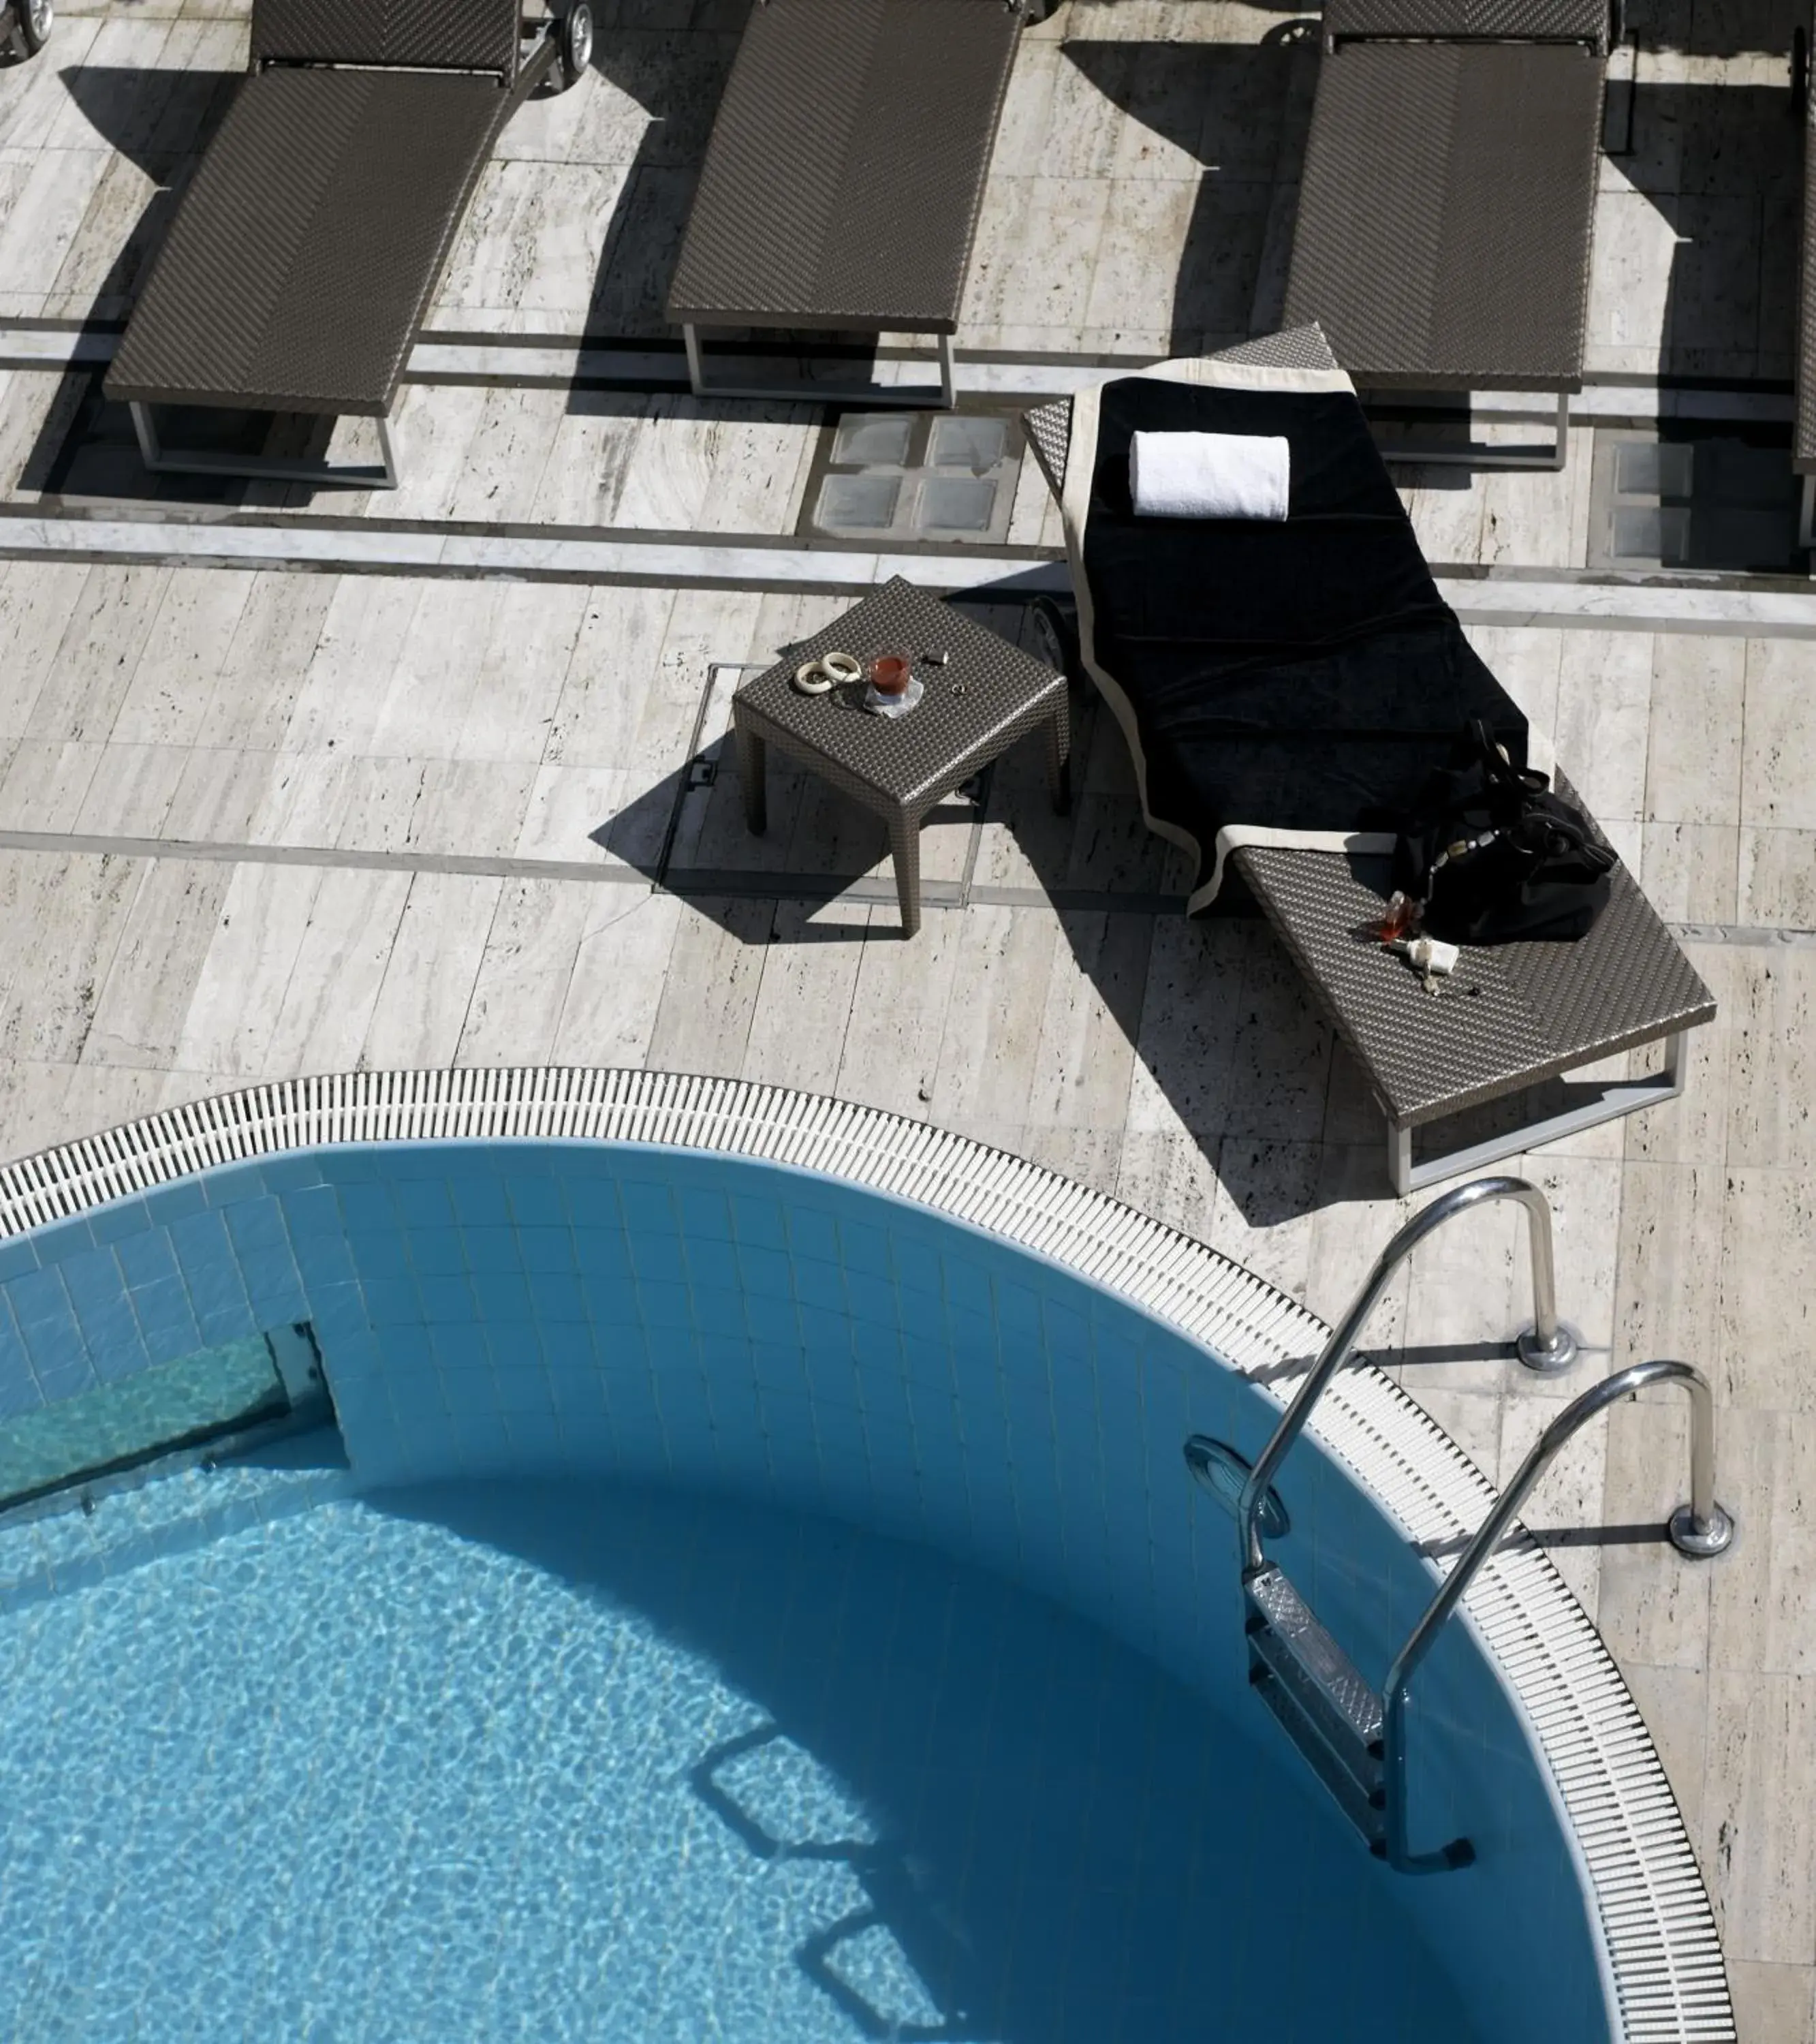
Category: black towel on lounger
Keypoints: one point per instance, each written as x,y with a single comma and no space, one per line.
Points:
1302,675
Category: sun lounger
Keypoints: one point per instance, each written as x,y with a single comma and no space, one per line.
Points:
306,249
1803,444
1448,199
842,183
1284,689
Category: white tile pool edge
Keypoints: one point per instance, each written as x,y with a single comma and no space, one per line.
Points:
1663,1961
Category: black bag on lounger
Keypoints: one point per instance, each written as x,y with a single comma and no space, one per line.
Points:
1498,857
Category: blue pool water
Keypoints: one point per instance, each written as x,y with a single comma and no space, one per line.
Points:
751,1607
584,1761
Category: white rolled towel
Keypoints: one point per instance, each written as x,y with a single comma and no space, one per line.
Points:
1208,476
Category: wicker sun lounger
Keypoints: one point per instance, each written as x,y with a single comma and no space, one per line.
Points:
1803,441
307,247
841,185
1448,199
1513,1018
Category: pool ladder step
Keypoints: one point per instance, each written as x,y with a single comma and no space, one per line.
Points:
1328,1712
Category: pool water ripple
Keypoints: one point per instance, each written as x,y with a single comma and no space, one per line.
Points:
565,1761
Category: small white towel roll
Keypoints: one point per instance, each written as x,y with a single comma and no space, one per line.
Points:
1208,476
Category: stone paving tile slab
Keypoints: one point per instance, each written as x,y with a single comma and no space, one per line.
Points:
620,972
1775,879
175,673
353,925
422,1009
709,992
1772,1058
806,994
525,972
986,1073
1774,2004
1759,1813
1777,788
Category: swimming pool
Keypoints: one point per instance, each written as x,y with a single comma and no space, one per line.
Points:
559,1760
758,1603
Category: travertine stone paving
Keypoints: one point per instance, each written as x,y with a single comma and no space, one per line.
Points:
254,824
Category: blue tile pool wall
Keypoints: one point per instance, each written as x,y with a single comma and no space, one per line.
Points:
491,1309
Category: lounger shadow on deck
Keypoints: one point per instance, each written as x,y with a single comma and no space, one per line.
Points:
676,80
160,121
1232,110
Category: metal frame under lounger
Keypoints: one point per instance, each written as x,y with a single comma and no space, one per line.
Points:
1514,1017
843,179
308,245
1448,201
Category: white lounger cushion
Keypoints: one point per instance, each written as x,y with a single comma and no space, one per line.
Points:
1208,476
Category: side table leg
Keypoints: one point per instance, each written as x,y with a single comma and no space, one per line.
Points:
752,753
1059,759
904,843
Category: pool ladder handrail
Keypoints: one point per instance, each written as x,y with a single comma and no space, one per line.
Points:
1547,1345
1700,1529
1354,1738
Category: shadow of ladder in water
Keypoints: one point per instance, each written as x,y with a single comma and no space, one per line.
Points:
887,1875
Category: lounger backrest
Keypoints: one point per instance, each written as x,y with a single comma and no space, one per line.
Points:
1469,20
1803,446
420,35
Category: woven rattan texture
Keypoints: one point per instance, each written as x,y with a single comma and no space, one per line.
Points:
1445,212
988,695
1804,451
846,165
1466,20
1292,347
452,34
300,263
1508,1017
1049,430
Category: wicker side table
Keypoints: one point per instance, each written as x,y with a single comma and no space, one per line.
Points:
986,695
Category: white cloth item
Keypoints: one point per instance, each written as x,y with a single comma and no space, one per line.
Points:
1208,476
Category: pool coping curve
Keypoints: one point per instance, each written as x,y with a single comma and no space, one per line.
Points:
1663,1956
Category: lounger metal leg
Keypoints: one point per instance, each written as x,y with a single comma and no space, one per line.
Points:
1475,455
146,429
263,468
802,392
695,374
1806,514
1604,1103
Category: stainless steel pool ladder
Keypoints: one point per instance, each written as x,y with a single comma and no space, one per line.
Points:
1354,1736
